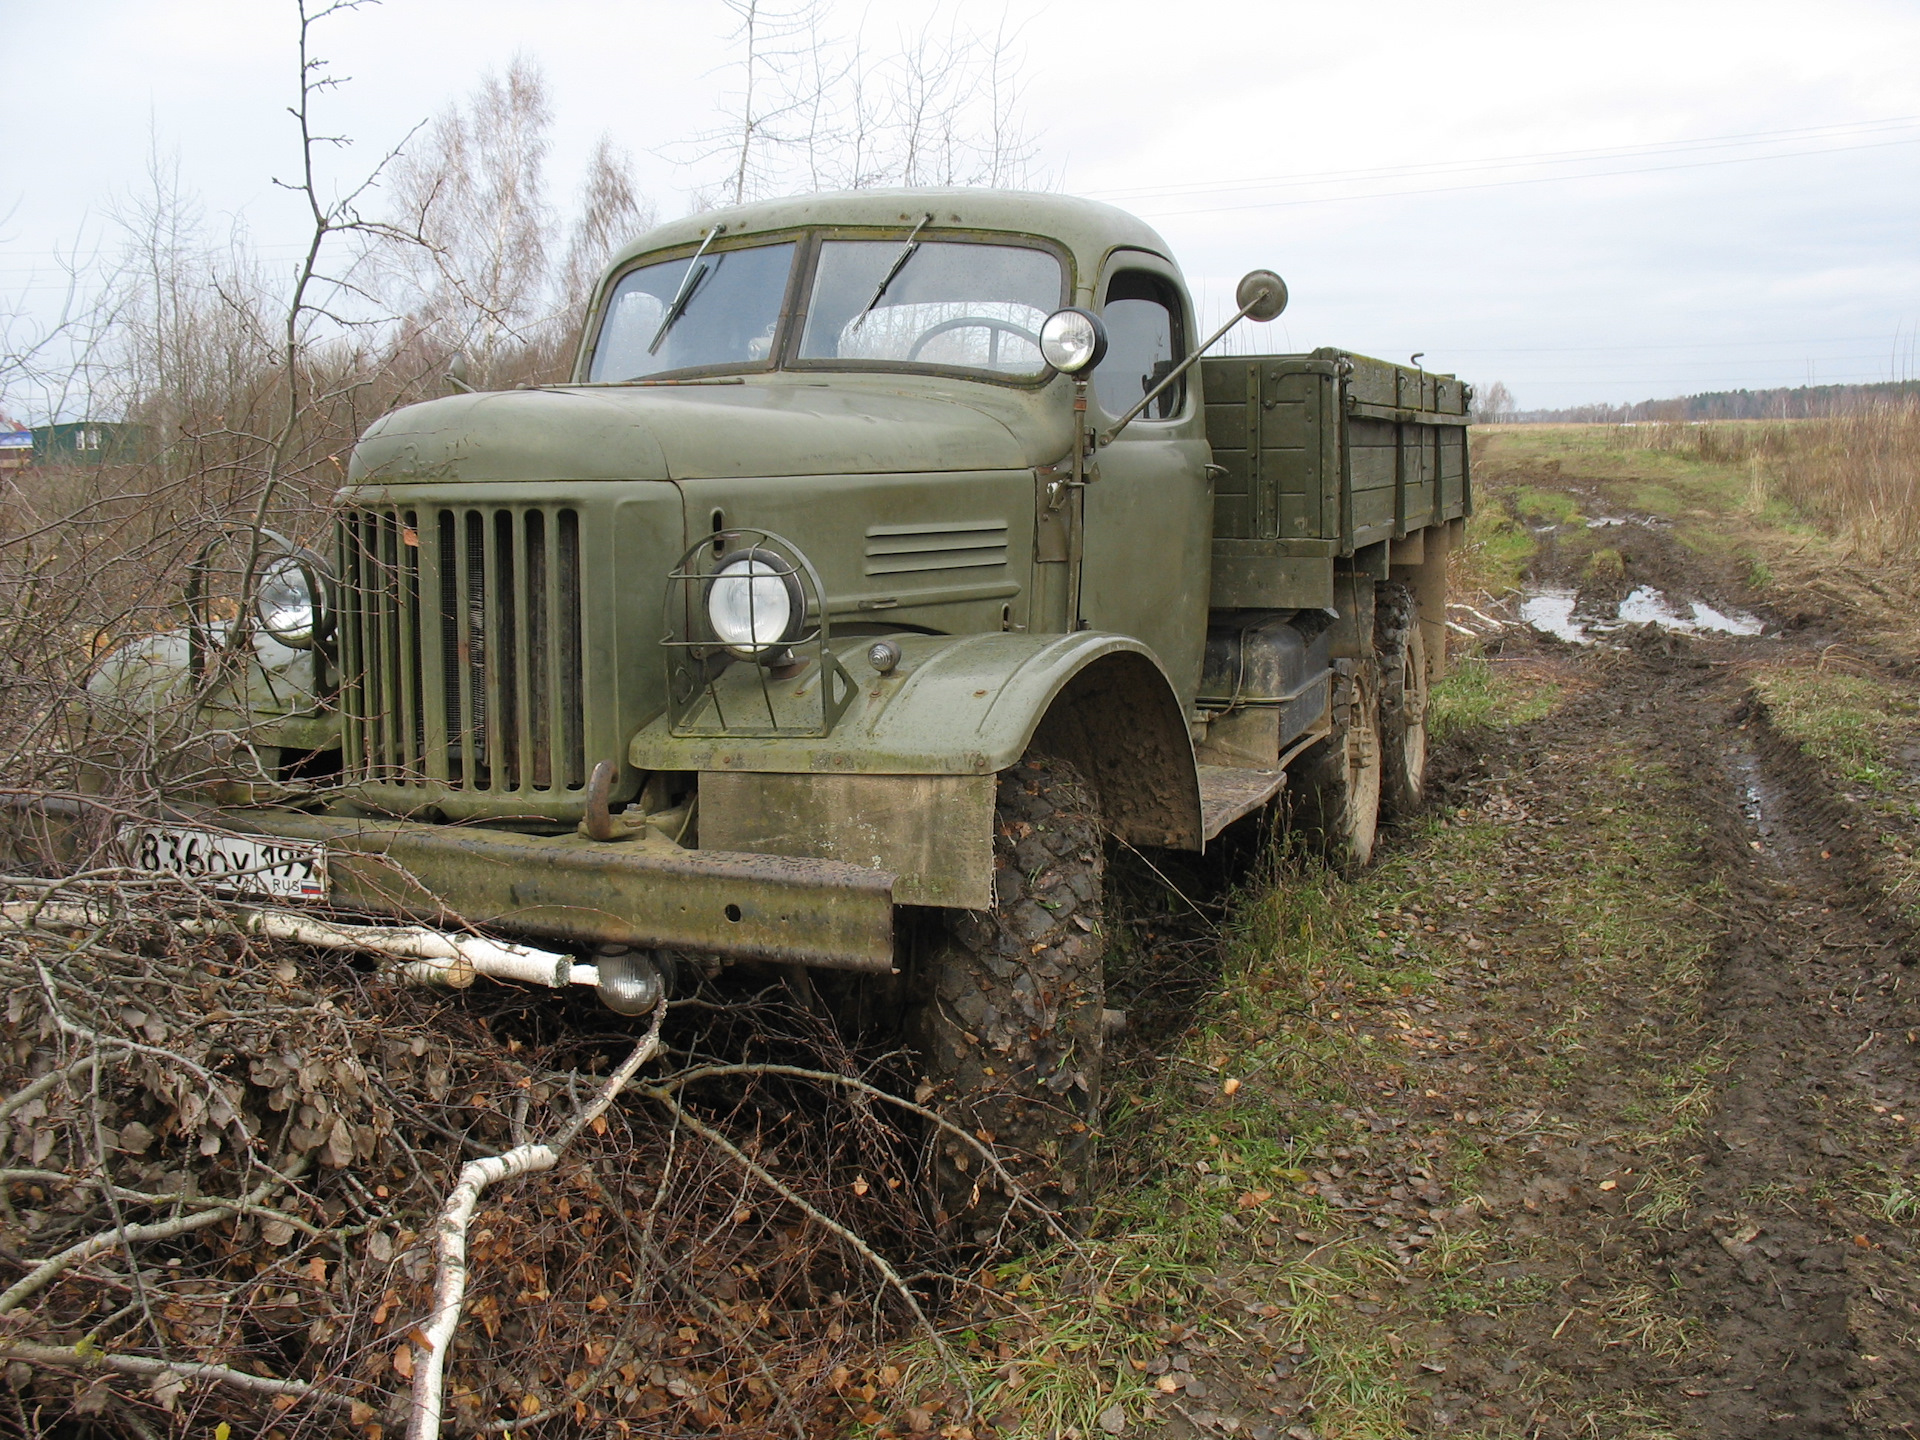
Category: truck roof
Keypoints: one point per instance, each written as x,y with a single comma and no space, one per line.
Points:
1087,228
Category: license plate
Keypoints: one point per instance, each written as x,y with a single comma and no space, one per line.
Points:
236,864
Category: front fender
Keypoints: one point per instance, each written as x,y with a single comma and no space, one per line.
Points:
272,696
971,705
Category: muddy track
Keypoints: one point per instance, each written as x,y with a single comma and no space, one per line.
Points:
1776,1281
1809,1321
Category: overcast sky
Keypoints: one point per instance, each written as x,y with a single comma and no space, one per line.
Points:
1590,202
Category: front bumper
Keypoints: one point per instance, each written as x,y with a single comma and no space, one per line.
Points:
634,892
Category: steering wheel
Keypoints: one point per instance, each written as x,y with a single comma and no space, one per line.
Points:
963,322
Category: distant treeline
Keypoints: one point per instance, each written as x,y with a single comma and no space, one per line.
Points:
1802,402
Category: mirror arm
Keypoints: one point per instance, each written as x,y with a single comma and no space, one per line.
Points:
1140,405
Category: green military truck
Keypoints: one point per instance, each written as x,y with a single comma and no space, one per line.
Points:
887,555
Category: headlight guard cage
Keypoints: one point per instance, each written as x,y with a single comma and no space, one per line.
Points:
798,688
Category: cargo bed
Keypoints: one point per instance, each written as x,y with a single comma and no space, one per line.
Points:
1321,458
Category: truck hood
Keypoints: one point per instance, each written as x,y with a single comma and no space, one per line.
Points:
775,426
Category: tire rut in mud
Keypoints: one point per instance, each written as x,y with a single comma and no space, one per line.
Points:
1809,1013
1775,1282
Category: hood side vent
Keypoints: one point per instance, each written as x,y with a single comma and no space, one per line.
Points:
958,545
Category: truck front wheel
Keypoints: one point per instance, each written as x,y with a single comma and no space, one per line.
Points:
1008,1005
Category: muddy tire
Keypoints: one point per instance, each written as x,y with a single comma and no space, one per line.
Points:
1403,700
1336,784
1008,1002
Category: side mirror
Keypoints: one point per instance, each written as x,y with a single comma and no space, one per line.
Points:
1261,295
457,372
1073,340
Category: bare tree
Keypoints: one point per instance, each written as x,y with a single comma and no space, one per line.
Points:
1494,405
474,192
781,97
609,213
818,111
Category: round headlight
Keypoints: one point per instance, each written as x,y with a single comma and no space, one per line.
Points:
1072,340
754,603
290,600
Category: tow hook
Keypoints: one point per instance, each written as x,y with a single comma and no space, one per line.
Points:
630,982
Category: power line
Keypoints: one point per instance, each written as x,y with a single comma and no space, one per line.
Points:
1529,180
1839,130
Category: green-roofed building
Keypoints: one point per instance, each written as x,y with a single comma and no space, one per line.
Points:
89,442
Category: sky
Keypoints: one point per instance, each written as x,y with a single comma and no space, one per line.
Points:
1589,203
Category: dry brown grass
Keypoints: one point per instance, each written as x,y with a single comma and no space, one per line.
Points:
1857,475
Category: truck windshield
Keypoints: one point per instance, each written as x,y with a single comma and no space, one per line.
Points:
728,318
978,307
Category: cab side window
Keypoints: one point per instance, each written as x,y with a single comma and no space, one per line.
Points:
1144,342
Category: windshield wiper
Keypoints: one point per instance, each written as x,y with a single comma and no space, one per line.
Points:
696,272
899,264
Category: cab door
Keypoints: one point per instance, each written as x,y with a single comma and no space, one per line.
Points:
1148,512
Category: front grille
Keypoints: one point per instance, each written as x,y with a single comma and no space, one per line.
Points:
460,653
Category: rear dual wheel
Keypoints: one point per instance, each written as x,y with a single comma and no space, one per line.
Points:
1374,763
1403,699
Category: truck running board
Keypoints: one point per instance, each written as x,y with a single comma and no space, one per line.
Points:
1227,793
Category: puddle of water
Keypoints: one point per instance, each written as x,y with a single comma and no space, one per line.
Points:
1550,610
1606,522
1738,623
1648,606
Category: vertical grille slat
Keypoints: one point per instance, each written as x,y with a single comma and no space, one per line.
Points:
503,675
570,721
528,752
412,733
461,648
430,645
347,564
469,659
386,675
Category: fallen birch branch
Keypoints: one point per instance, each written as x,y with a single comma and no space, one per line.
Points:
432,957
434,1338
74,1357
52,1268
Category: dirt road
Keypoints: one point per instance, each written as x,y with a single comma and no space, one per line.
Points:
1724,1278
1751,1273
1594,1109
